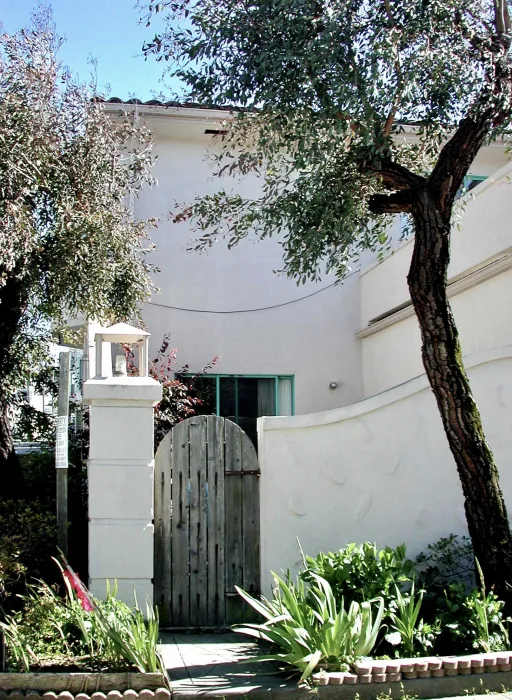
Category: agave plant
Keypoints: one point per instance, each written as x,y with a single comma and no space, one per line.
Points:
307,626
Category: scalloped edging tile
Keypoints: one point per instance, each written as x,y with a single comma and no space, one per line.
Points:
393,671
159,694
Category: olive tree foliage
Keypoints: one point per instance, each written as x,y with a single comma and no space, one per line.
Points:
69,243
352,111
325,87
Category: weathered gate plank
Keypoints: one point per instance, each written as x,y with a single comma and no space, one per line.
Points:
216,523
180,599
251,524
198,522
206,523
162,518
234,522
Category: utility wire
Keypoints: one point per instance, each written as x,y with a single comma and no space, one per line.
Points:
242,311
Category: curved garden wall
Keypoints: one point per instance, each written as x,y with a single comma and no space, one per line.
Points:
378,470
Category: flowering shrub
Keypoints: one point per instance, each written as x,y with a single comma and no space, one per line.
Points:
179,399
79,631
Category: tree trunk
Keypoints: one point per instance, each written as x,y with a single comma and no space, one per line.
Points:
13,301
486,512
11,479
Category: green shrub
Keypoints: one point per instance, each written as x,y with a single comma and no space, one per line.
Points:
308,626
449,560
80,631
11,571
326,616
444,613
362,572
27,542
39,475
471,621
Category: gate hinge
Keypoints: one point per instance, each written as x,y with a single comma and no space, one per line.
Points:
241,472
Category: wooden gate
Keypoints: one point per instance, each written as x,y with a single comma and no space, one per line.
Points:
206,523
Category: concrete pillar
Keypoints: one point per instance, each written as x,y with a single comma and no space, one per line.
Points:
89,359
120,475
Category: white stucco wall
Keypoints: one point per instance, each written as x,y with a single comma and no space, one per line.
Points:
313,339
379,470
482,315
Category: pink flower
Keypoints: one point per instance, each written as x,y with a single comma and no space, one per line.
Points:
81,591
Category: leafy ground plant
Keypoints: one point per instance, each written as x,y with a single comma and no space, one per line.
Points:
473,621
450,559
362,572
413,635
307,626
79,631
443,613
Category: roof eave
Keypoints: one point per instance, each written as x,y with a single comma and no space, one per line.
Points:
173,112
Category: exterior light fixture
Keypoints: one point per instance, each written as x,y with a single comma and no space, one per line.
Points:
123,334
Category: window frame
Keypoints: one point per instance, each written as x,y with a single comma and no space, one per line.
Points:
218,377
476,178
468,179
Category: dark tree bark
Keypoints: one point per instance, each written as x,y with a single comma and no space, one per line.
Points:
430,203
11,479
484,504
13,301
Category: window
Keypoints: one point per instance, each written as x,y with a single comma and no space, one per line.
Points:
244,398
471,181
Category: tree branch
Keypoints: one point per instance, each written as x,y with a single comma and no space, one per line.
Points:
393,175
506,18
501,17
456,157
394,203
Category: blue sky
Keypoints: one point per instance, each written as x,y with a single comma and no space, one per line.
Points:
106,29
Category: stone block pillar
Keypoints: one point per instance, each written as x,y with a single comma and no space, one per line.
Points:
120,475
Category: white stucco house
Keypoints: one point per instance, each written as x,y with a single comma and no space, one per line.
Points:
350,441
292,350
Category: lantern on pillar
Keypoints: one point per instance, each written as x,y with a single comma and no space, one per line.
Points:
120,469
123,334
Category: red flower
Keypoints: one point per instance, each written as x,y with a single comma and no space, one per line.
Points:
81,591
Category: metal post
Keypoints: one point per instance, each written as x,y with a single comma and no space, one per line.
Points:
61,451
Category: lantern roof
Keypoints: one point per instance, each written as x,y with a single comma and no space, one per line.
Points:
123,333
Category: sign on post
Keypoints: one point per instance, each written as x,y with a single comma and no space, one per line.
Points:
61,443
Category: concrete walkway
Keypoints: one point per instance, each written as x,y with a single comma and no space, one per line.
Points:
219,664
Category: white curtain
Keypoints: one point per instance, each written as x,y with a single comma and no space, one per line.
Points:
266,397
285,397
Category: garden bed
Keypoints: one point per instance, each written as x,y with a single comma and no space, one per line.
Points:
87,682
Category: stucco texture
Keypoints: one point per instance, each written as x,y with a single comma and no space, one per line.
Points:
379,470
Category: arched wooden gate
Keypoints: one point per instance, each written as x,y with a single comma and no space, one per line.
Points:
207,535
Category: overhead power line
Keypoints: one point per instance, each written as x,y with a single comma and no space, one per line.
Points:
242,311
